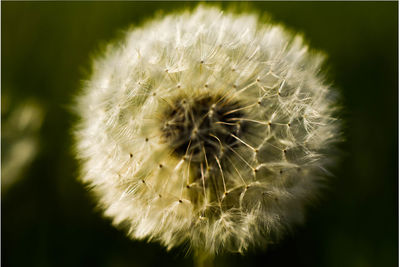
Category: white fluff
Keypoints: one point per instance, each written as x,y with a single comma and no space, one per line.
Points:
251,191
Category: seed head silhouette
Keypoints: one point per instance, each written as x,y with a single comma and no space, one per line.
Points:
206,128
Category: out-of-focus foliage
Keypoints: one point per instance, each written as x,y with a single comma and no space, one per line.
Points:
48,219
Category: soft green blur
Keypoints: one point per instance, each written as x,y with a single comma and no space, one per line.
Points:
48,218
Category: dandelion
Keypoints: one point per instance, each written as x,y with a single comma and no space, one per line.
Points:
20,138
206,128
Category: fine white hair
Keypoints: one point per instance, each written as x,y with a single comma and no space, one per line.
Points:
236,181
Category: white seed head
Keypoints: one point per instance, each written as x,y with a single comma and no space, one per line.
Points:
206,128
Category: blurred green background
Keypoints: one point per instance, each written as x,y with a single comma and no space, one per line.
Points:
48,218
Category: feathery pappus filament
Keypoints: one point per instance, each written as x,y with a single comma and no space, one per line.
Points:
206,128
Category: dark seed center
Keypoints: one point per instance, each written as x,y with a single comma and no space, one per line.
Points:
203,127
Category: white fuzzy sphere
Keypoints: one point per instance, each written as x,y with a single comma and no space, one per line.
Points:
206,128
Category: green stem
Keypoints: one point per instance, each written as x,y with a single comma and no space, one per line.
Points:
203,259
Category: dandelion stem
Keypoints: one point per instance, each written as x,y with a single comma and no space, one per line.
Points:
203,259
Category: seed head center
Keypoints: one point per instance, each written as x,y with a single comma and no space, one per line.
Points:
202,127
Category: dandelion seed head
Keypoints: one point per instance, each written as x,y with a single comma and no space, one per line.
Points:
206,128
